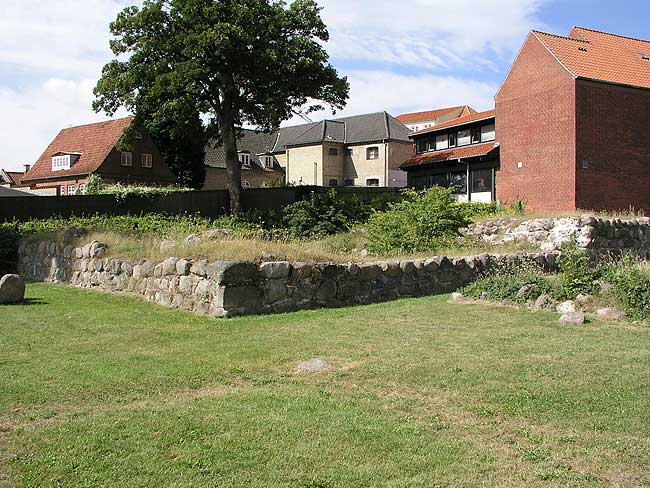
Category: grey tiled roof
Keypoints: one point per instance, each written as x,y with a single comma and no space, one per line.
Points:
356,129
254,142
10,192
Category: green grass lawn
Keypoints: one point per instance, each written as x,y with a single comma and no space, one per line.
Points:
99,390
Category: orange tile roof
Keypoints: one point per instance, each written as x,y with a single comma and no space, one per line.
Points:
459,121
93,141
14,176
431,114
600,56
470,151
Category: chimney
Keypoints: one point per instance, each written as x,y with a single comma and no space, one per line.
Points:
27,167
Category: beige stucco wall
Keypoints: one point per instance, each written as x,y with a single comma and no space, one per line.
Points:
215,178
313,165
305,165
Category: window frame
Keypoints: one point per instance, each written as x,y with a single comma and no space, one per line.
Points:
147,160
368,152
372,179
245,184
245,159
126,159
332,151
452,136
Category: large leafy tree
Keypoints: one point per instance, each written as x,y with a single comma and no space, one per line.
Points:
236,62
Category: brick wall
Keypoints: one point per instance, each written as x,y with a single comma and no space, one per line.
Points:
613,137
535,125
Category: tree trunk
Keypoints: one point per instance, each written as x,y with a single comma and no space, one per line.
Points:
233,166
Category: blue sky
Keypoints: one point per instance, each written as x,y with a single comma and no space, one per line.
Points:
398,56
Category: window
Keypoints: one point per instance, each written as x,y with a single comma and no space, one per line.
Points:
372,182
422,145
463,137
60,163
71,189
147,160
349,152
82,189
245,159
458,181
268,162
245,184
645,57
452,139
420,182
440,180
348,182
138,135
372,153
476,135
333,182
62,190
584,164
482,180
127,158
265,184
431,145
333,151
487,133
442,142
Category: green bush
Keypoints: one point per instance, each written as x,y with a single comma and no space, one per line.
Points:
9,236
631,287
422,221
576,273
95,186
506,286
325,213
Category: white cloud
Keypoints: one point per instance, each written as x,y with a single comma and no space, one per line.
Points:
372,91
51,54
36,115
427,33
57,38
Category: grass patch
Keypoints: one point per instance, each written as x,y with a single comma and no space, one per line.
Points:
102,390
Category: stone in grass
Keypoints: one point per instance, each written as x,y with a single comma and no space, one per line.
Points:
12,289
610,314
217,234
567,307
457,297
192,240
583,298
575,318
543,302
314,365
167,246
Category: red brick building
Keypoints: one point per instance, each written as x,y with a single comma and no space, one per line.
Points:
101,149
573,123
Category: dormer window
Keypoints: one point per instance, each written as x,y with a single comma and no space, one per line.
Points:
63,161
268,162
245,159
60,163
137,135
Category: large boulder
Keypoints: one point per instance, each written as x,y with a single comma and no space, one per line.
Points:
12,289
575,318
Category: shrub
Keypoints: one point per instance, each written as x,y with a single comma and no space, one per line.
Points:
423,221
576,273
631,287
9,236
95,186
506,286
323,214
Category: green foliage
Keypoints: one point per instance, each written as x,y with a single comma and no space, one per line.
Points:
235,63
159,224
576,273
325,213
122,192
507,286
422,221
631,287
9,235
94,185
518,206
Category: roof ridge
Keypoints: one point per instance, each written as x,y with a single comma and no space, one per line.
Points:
560,37
97,123
386,125
611,34
433,110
